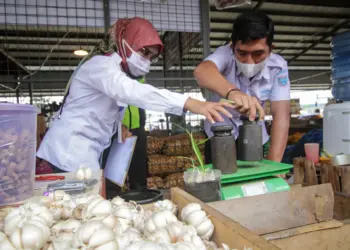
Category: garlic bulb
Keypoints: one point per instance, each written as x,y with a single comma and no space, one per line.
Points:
83,173
68,226
62,209
158,220
59,195
95,235
109,221
129,236
98,207
166,204
144,245
63,241
5,243
31,235
171,233
27,212
125,212
195,216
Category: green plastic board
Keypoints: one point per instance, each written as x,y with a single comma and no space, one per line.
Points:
255,187
254,170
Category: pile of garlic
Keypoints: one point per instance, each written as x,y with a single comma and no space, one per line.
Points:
60,221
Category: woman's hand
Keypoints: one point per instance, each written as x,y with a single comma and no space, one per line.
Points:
125,133
211,110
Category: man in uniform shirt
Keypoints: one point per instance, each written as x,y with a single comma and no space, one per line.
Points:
248,73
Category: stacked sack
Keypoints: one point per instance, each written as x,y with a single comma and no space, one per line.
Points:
340,66
167,159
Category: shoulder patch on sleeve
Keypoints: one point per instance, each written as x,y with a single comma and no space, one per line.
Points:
283,80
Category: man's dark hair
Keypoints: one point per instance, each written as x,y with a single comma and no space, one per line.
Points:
252,26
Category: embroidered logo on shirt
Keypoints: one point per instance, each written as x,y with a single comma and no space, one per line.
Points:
283,80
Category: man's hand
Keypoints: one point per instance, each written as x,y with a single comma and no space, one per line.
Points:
246,104
211,110
125,133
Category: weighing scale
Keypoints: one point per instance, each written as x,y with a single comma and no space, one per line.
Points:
254,178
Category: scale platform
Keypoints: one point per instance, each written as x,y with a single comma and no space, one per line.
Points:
254,178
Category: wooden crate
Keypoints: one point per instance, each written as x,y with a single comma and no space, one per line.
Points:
320,236
307,174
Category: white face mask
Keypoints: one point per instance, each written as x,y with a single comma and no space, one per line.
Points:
137,64
250,70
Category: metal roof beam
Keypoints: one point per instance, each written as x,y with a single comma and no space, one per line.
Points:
277,23
286,12
14,60
333,3
329,33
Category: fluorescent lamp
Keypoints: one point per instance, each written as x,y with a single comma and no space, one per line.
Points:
80,52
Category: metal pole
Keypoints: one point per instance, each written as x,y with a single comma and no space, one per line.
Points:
30,88
107,19
205,31
17,95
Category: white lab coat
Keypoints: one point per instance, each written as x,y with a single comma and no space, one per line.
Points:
91,113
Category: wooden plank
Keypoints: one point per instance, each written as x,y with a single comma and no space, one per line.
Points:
331,177
299,170
337,173
346,180
341,207
324,174
310,173
304,229
274,212
226,230
331,239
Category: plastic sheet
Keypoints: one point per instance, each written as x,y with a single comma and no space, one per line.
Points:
17,152
225,4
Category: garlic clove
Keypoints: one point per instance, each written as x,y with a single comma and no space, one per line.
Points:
110,221
102,208
102,236
88,229
33,237
124,212
209,233
79,175
112,245
87,173
5,243
160,236
196,218
189,208
69,226
15,238
117,201
77,212
198,243
203,227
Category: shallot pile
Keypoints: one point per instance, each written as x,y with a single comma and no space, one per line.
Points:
17,150
60,221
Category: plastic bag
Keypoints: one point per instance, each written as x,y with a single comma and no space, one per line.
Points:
225,4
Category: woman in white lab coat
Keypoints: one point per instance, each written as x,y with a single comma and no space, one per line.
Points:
102,87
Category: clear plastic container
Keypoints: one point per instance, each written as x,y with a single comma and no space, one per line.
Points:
17,152
206,186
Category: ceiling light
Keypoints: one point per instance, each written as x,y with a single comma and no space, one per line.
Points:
80,52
